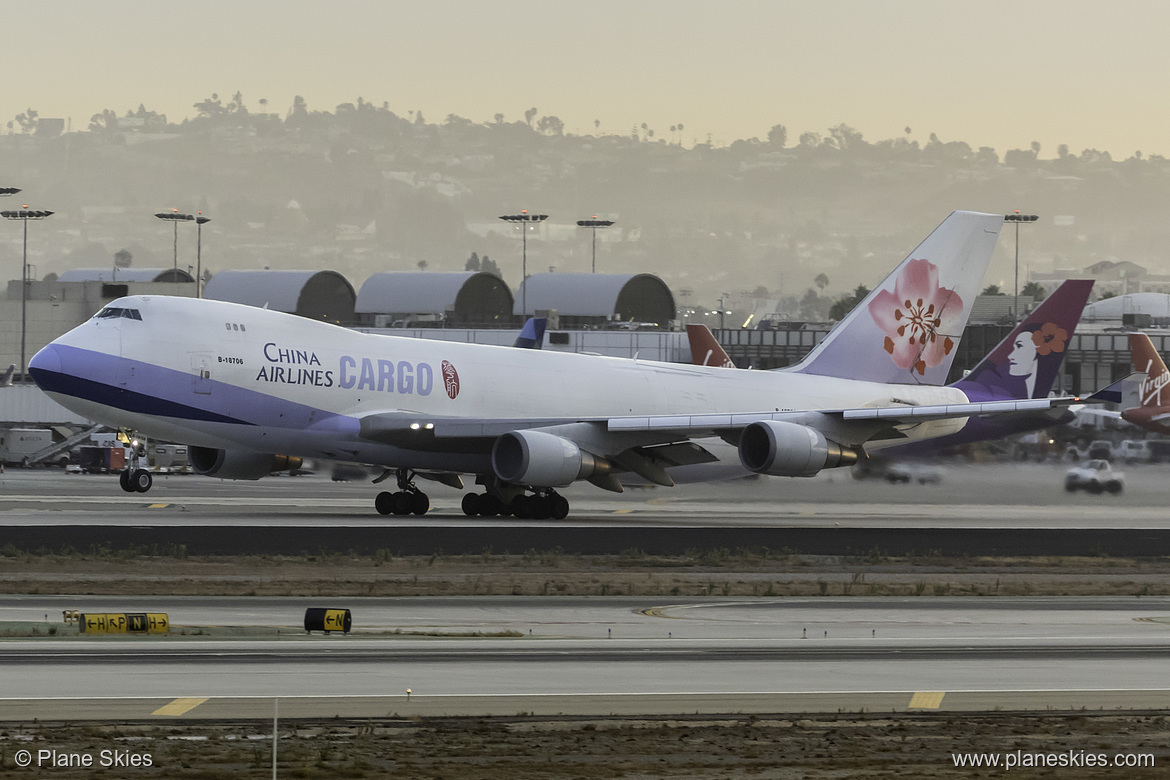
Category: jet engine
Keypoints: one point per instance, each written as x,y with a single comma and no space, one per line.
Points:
541,459
238,464
786,449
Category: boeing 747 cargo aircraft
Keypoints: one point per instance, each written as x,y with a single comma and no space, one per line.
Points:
252,390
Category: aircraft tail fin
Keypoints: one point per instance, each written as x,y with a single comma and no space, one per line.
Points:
1146,360
705,349
532,334
907,329
1027,362
6,379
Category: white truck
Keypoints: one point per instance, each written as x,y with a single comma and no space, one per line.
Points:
16,444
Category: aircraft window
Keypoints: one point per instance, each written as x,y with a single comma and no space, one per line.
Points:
235,326
242,327
227,325
114,312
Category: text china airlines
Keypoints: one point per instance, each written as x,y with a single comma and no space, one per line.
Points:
302,367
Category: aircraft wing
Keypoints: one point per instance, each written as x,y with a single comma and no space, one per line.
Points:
893,414
847,426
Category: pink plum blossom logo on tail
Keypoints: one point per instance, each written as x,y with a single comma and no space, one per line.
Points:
915,316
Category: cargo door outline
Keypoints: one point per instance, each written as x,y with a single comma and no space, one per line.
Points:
201,366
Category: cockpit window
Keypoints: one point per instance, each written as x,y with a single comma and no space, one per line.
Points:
112,312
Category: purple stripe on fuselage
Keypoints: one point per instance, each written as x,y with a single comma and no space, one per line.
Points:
144,388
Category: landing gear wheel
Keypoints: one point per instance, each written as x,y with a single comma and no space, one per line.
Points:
540,507
522,507
470,504
558,507
124,481
141,480
419,503
384,503
402,503
489,505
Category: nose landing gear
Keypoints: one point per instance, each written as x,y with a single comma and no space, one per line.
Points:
135,479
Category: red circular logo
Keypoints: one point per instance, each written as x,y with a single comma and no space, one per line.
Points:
450,380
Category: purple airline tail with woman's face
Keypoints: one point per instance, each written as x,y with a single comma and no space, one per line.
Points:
1027,362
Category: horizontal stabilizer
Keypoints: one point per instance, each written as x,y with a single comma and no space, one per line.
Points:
1115,393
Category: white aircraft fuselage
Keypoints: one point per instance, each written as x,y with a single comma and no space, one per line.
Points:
223,375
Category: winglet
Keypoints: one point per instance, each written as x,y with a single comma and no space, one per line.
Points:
907,329
705,349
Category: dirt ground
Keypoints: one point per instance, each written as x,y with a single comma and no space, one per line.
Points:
827,746
554,573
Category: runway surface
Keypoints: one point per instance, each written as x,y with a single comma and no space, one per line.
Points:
969,496
599,656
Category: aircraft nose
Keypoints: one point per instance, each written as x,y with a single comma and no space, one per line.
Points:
45,365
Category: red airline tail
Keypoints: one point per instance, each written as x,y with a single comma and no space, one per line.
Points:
1146,359
705,350
1151,413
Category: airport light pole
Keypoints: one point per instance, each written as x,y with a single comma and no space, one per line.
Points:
176,217
24,215
594,223
525,220
200,221
1016,217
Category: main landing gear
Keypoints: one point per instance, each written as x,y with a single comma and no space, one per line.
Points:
542,505
408,500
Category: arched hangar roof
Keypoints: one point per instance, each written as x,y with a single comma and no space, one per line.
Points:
635,297
1153,304
126,275
317,295
465,297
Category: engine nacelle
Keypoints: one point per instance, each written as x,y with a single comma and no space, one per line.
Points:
540,459
786,449
238,464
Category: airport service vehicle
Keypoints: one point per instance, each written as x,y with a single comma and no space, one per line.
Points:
1094,476
17,444
252,391
1134,451
906,472
1099,449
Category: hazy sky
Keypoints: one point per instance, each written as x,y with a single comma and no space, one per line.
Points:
1002,74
